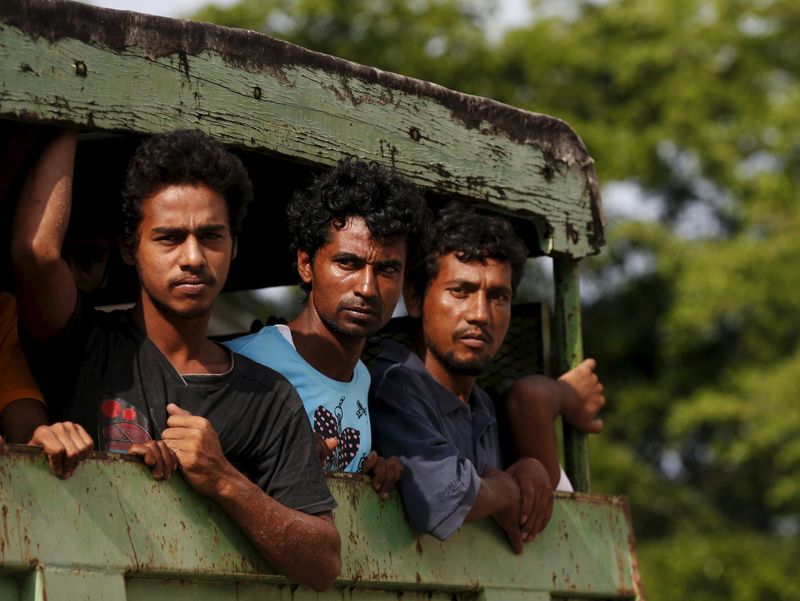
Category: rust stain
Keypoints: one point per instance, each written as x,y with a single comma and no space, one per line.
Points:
572,233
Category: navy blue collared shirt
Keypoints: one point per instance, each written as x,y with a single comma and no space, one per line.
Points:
444,444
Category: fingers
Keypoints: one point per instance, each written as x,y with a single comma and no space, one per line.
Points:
589,364
325,447
595,426
187,420
369,464
385,473
155,453
515,538
527,496
173,409
65,444
543,510
393,470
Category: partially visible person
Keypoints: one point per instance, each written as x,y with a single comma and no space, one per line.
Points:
353,233
428,410
147,380
23,416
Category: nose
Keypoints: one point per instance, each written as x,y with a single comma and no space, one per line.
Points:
192,256
478,309
367,284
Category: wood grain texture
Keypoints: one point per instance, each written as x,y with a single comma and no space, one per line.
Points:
110,70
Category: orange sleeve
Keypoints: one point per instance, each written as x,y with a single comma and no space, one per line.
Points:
16,381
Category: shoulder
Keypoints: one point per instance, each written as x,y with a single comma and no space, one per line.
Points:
401,383
250,344
259,379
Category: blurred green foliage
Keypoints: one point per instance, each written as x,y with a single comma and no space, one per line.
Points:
694,317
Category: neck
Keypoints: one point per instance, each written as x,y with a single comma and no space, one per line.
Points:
460,385
181,340
330,354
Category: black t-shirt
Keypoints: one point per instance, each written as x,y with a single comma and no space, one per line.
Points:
104,373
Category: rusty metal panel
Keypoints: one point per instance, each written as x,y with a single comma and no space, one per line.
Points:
112,527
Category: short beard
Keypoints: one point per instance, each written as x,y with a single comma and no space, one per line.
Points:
455,366
169,312
341,332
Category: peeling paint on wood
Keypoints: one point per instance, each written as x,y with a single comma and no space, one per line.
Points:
65,62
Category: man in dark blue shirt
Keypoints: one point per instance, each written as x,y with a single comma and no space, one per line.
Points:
427,409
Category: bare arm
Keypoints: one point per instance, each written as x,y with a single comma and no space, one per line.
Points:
499,497
45,288
306,548
535,401
20,419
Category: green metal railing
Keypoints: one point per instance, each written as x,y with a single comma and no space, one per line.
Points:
113,533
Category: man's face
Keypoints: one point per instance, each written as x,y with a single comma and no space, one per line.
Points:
185,249
465,314
356,280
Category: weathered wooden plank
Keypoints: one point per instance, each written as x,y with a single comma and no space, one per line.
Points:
69,63
112,519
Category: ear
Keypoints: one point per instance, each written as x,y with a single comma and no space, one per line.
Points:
126,252
412,300
304,266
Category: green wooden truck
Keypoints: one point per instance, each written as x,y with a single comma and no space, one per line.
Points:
111,532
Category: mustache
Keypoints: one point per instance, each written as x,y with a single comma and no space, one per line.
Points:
363,305
473,332
192,280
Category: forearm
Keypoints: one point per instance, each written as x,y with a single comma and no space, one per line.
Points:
496,493
306,548
44,284
533,403
20,419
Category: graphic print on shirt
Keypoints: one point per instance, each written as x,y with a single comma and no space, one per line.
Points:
329,425
121,425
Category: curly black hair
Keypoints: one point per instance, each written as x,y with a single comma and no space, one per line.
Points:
472,237
389,204
182,157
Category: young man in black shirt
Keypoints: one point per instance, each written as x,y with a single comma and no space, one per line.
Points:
147,380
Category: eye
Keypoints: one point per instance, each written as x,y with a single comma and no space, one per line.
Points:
499,295
458,291
168,239
389,269
348,263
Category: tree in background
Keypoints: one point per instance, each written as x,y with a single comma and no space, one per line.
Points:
690,105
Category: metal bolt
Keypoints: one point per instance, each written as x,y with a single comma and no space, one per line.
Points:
80,69
257,93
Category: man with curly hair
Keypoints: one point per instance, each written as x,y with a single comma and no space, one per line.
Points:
148,380
428,410
353,233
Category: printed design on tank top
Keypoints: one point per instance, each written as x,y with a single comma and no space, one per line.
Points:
121,425
329,425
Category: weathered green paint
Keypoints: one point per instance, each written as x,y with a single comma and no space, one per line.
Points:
569,352
112,532
147,74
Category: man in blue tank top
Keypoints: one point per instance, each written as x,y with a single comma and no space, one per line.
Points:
353,232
